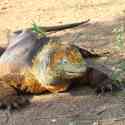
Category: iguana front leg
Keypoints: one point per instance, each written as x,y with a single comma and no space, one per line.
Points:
12,89
10,98
23,83
13,86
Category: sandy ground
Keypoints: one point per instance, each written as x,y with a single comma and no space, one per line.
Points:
17,14
80,105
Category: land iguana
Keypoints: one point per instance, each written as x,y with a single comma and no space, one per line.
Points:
32,65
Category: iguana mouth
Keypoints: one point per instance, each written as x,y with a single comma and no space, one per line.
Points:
75,71
74,74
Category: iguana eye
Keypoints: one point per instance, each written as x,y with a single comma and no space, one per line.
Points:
64,61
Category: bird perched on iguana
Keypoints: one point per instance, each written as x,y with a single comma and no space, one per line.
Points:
32,65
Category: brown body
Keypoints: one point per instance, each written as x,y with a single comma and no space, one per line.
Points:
18,67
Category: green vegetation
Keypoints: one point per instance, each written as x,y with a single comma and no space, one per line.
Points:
37,29
119,32
119,73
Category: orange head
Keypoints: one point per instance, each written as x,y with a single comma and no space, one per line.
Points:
56,62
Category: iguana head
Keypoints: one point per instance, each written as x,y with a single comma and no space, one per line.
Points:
56,61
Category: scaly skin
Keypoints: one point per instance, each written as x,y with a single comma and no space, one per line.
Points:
52,69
